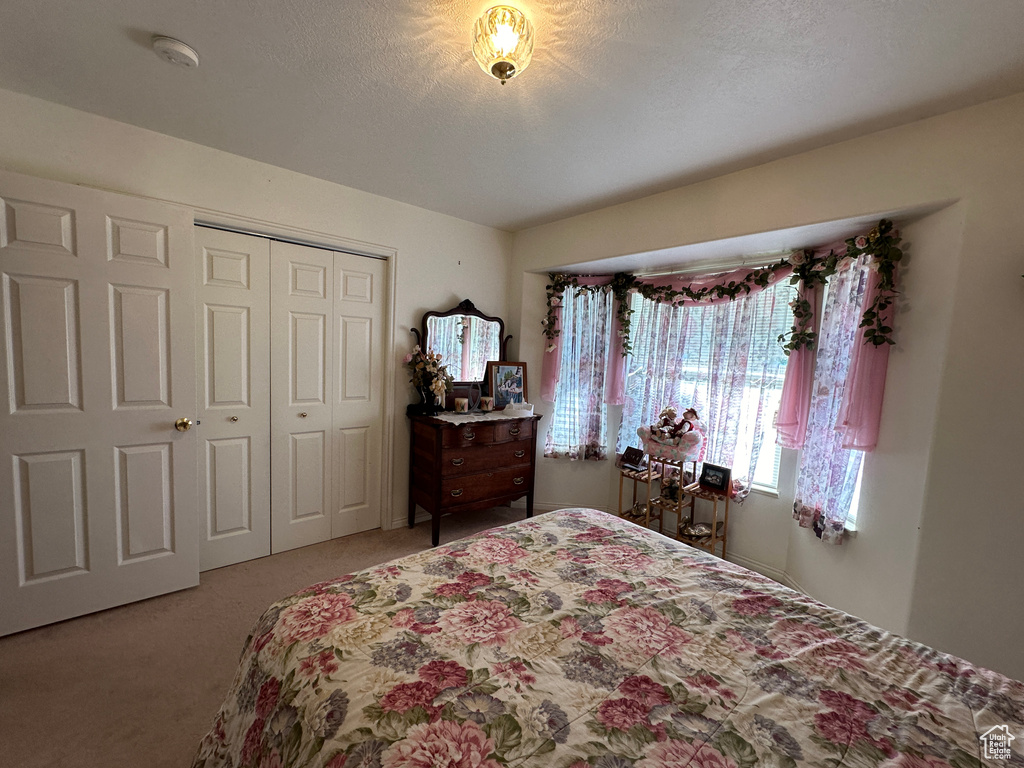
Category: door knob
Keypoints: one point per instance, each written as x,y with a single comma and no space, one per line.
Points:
183,424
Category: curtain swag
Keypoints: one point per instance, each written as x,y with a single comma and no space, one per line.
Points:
806,266
808,269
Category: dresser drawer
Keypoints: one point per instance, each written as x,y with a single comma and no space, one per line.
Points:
513,430
477,458
467,435
485,485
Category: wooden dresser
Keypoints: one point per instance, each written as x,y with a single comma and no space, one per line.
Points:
470,466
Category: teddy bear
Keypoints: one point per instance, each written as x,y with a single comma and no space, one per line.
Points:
668,430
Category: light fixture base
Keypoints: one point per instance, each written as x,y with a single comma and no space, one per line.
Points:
503,70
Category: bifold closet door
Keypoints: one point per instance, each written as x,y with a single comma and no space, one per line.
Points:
233,351
327,325
97,486
359,301
301,382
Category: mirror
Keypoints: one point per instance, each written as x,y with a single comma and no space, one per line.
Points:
465,338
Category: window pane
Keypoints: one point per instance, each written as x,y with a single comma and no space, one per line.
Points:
723,360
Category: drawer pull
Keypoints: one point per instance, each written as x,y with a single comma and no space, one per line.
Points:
520,454
518,480
514,431
469,435
457,492
458,462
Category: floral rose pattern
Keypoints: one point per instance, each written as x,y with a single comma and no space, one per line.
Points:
579,640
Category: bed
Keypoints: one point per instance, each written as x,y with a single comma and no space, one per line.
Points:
578,640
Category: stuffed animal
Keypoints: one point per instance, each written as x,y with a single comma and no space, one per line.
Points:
670,431
662,430
689,416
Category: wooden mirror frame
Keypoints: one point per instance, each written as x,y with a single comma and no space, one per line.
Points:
464,307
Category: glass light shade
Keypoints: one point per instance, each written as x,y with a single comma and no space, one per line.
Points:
503,42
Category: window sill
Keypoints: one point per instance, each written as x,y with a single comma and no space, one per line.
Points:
849,532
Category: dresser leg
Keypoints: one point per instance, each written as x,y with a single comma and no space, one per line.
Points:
435,529
529,504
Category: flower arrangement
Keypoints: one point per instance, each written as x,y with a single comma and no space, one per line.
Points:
428,374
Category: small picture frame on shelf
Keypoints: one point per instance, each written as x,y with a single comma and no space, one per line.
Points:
715,478
633,459
507,382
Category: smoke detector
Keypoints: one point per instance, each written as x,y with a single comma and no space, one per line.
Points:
175,51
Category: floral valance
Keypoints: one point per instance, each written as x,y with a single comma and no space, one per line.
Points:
806,266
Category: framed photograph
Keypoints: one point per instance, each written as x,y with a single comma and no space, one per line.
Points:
507,382
715,479
633,459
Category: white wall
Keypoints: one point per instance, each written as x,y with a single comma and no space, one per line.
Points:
938,554
441,260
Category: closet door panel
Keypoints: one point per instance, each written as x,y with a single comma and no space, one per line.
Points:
233,326
358,405
302,378
97,487
229,497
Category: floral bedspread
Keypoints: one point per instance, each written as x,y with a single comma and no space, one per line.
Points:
577,639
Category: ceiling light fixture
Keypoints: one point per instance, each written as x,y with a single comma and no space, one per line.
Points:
175,51
503,42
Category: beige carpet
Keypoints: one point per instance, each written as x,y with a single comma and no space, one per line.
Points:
139,685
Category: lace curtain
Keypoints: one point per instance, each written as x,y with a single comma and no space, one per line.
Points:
466,344
828,471
482,346
578,424
723,360
445,339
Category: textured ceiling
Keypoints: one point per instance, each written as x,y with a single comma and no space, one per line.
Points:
623,98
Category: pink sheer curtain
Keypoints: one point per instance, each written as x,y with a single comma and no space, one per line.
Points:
796,389
552,361
860,415
615,376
